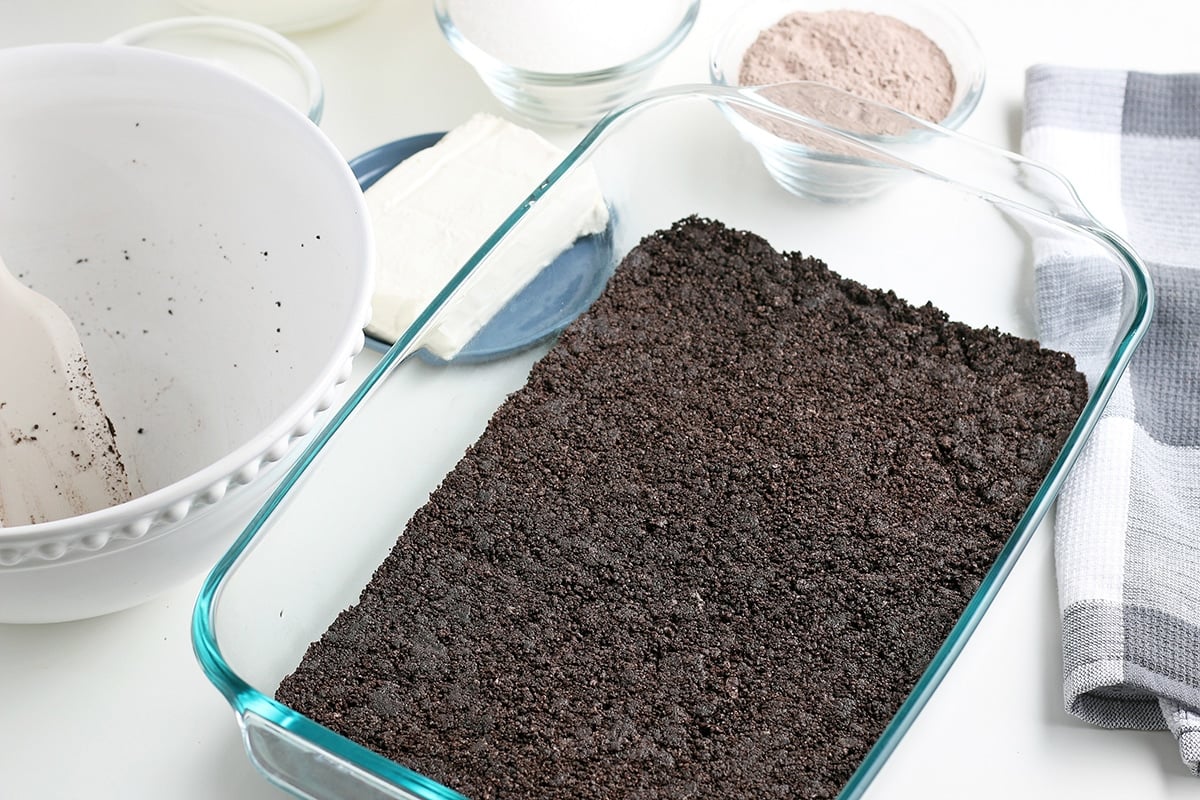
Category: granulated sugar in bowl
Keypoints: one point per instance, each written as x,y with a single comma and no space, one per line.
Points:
914,57
564,63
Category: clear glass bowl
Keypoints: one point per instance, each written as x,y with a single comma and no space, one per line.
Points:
245,48
286,16
315,544
564,98
818,172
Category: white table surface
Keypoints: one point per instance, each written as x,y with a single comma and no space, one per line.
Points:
116,707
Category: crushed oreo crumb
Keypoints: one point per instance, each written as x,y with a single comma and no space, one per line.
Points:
711,545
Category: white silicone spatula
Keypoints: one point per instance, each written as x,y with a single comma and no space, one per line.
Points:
58,455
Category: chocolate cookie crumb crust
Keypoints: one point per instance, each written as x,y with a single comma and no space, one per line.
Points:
710,546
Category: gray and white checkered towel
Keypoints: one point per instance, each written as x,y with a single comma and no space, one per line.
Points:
1127,546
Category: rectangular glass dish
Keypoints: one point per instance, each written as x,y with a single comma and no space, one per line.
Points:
946,220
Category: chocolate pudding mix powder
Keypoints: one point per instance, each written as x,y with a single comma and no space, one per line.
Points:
873,56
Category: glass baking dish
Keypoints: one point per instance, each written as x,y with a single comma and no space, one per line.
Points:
961,225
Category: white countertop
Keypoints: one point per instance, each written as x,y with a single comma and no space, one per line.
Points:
116,707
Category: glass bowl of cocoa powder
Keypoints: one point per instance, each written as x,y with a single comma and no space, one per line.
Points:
915,57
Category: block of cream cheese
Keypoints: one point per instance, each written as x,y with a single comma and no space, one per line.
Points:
434,210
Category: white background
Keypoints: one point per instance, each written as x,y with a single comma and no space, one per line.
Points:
117,708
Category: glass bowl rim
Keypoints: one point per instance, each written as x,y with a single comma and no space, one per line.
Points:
263,36
499,69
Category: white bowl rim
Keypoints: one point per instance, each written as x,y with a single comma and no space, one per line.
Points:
156,511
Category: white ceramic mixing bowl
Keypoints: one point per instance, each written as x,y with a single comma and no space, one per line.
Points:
213,250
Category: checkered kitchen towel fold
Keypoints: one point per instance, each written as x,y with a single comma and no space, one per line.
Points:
1128,523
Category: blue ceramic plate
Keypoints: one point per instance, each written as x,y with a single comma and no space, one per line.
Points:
560,292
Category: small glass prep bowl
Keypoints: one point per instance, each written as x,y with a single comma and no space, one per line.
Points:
799,166
564,98
965,226
245,48
286,16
